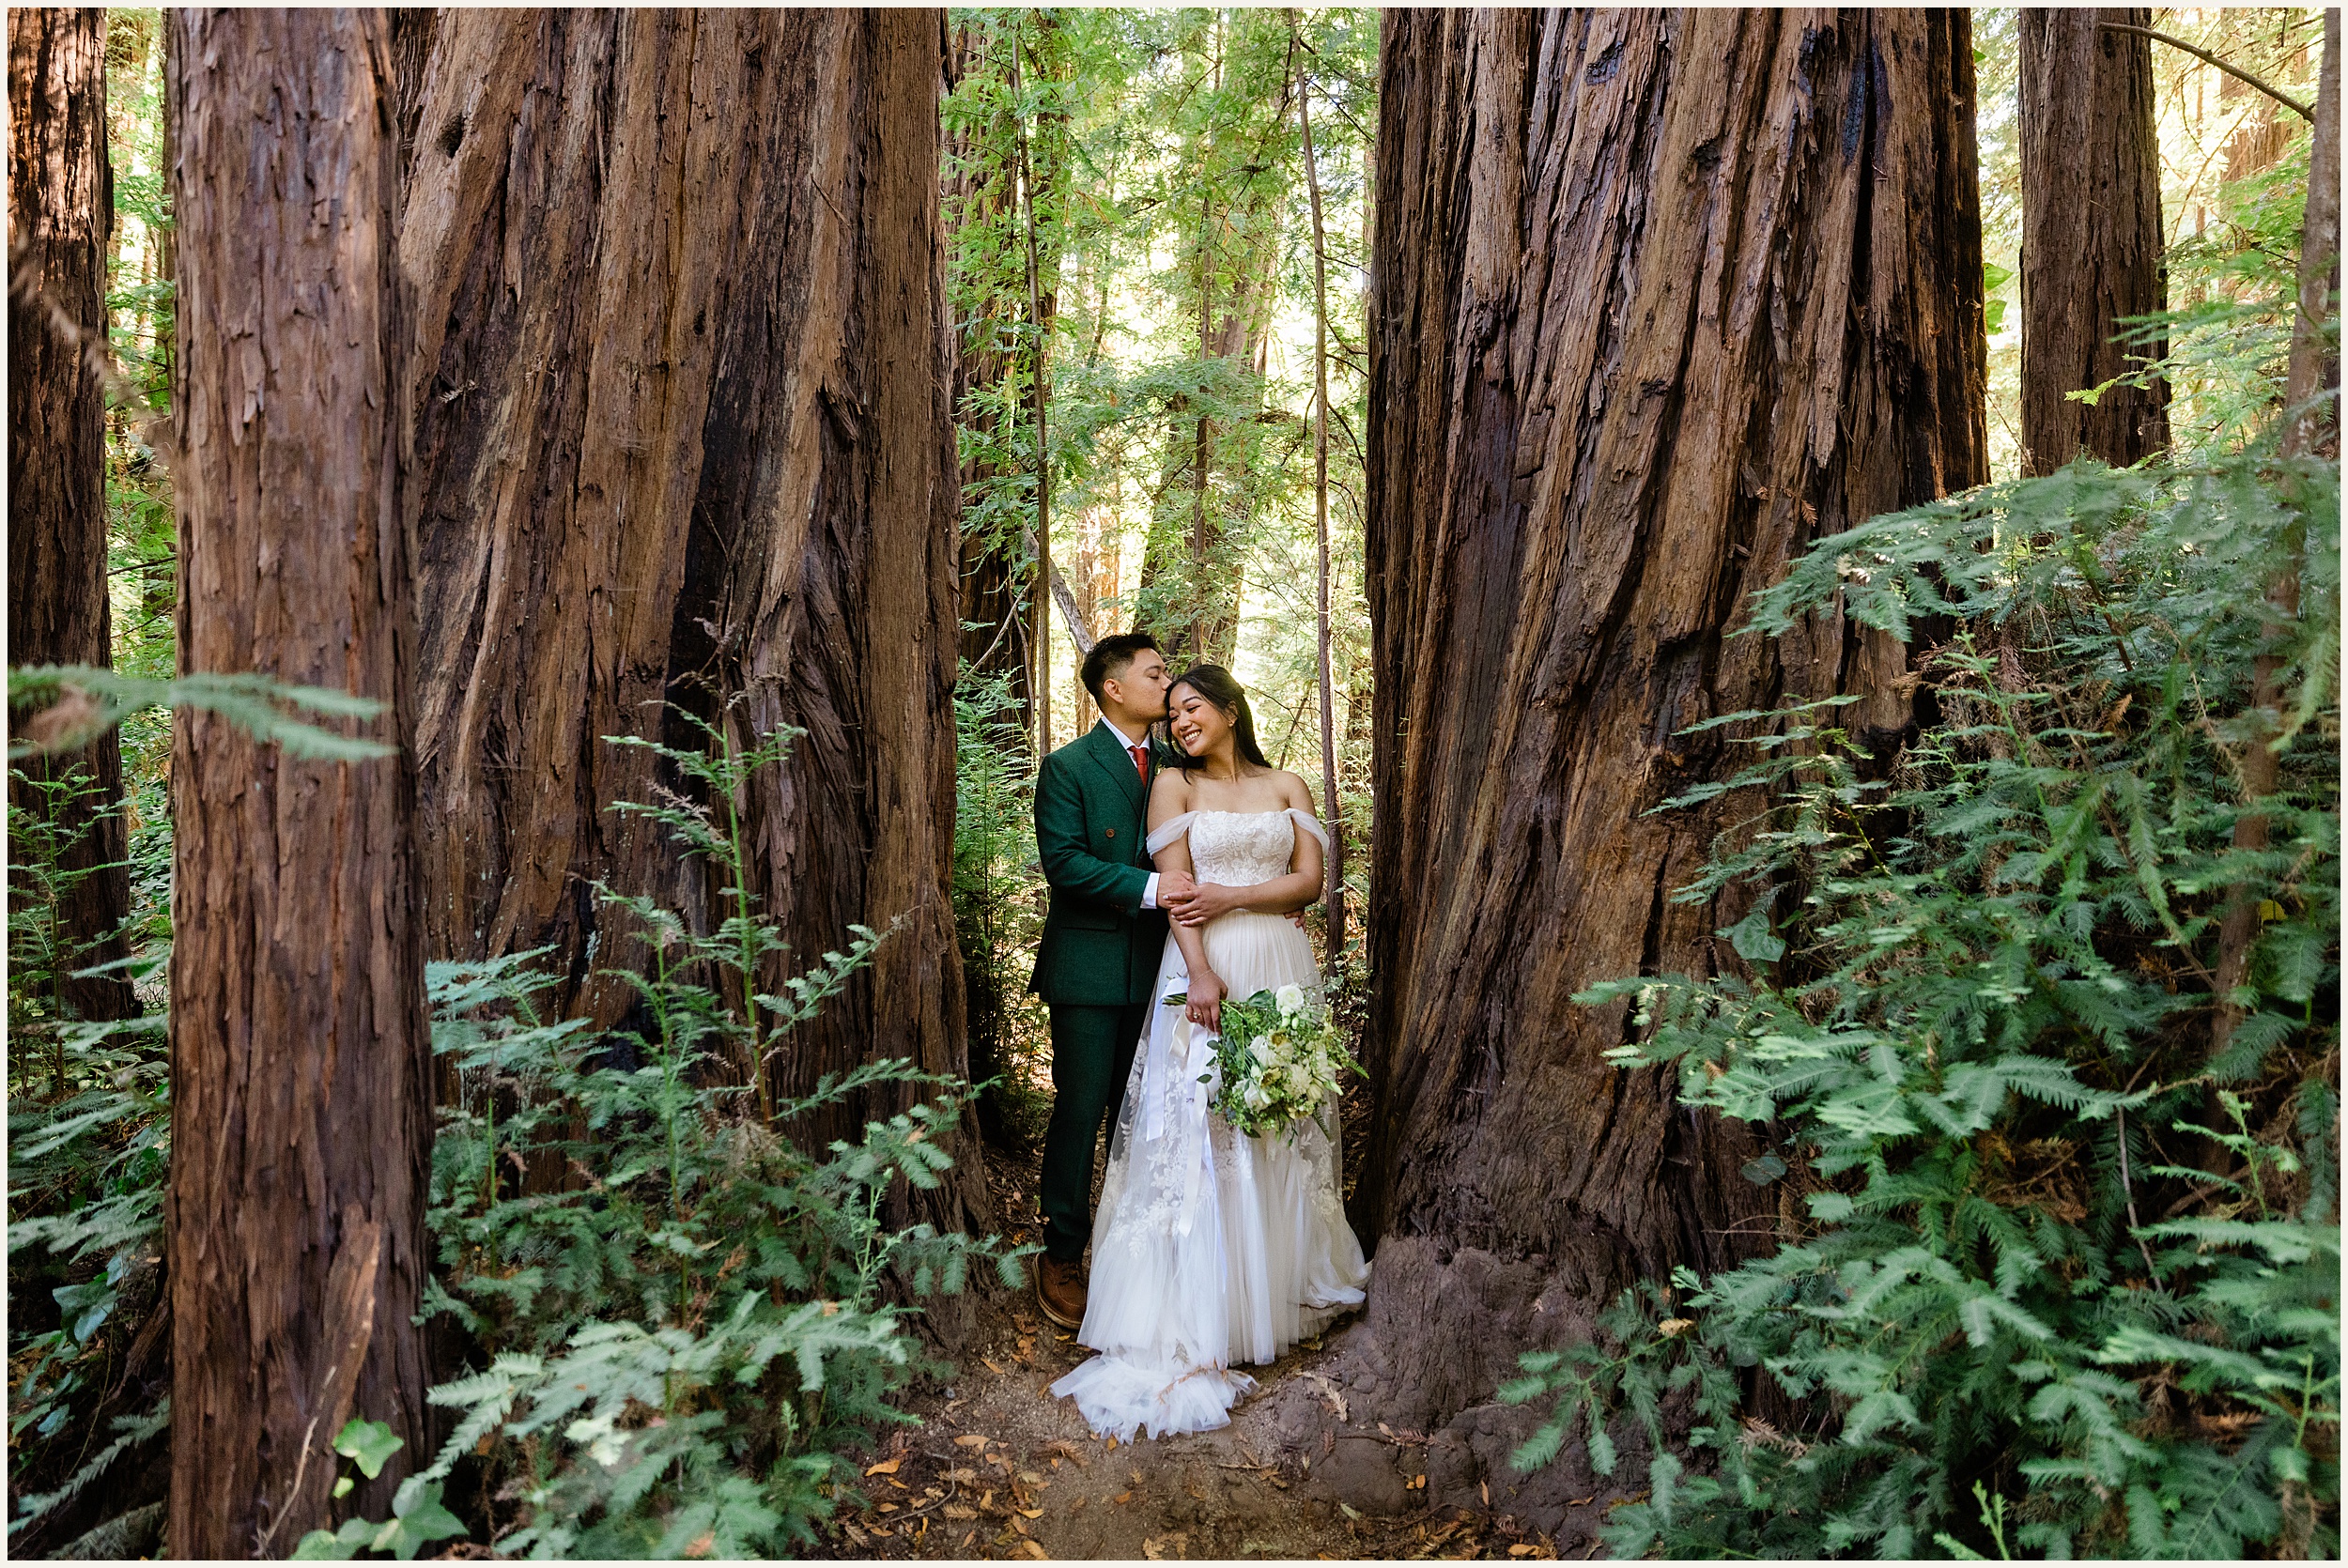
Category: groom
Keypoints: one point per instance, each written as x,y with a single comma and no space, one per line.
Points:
1101,939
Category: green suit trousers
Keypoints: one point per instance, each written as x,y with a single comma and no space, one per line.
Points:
1093,1052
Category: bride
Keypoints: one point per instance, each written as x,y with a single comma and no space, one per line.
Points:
1211,1247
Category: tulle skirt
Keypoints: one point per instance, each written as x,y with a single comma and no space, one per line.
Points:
1210,1249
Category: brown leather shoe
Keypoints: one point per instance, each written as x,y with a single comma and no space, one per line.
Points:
1060,1289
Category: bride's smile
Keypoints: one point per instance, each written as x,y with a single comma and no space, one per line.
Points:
1197,723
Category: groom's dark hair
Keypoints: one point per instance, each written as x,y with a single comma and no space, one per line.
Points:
1111,655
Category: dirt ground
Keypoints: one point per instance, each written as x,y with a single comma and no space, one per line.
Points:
1000,1468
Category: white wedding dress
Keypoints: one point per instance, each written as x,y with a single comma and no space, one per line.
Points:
1210,1248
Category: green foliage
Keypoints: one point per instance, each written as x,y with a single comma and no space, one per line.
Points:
89,1146
418,1515
2069,1281
80,703
680,1335
50,814
998,919
86,1172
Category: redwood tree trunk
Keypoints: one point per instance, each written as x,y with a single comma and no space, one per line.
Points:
682,376
2091,236
60,214
300,1083
1662,295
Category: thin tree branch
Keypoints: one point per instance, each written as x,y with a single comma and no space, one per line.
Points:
2304,112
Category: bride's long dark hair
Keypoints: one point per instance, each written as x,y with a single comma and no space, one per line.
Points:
1219,686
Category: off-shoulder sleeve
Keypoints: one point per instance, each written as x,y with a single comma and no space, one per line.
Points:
1174,827
1306,820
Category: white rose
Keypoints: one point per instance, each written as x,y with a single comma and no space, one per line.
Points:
1254,1095
1261,1048
1291,998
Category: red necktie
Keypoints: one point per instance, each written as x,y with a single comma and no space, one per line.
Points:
1141,761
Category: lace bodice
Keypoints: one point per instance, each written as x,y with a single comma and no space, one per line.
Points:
1238,849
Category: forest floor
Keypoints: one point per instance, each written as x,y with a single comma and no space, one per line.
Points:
1000,1468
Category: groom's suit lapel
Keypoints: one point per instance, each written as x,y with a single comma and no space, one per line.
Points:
1117,763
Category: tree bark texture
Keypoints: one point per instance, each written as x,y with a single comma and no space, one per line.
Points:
60,216
2091,236
683,378
300,1062
1662,297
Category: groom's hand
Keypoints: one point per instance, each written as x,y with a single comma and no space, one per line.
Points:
1173,887
1205,901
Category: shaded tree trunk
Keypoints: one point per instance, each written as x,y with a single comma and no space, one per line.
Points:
1333,882
1232,328
60,216
1662,297
301,1083
682,374
2091,236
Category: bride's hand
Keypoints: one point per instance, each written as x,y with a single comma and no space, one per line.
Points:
1205,1009
1204,902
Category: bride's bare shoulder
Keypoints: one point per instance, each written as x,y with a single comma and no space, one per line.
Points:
1293,790
1169,795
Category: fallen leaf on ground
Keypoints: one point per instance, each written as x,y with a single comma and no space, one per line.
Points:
1522,1549
971,1439
1031,1512
1122,1496
1337,1400
1035,1549
886,1466
955,1510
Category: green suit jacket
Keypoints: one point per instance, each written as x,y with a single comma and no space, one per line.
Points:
1099,947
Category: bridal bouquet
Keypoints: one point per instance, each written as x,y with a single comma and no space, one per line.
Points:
1279,1057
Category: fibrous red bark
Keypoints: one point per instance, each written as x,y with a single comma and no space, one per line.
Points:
300,1082
60,214
1662,295
682,376
2091,236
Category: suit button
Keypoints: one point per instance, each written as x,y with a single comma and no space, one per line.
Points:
1112,833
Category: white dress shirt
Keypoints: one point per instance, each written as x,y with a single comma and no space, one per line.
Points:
1150,888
